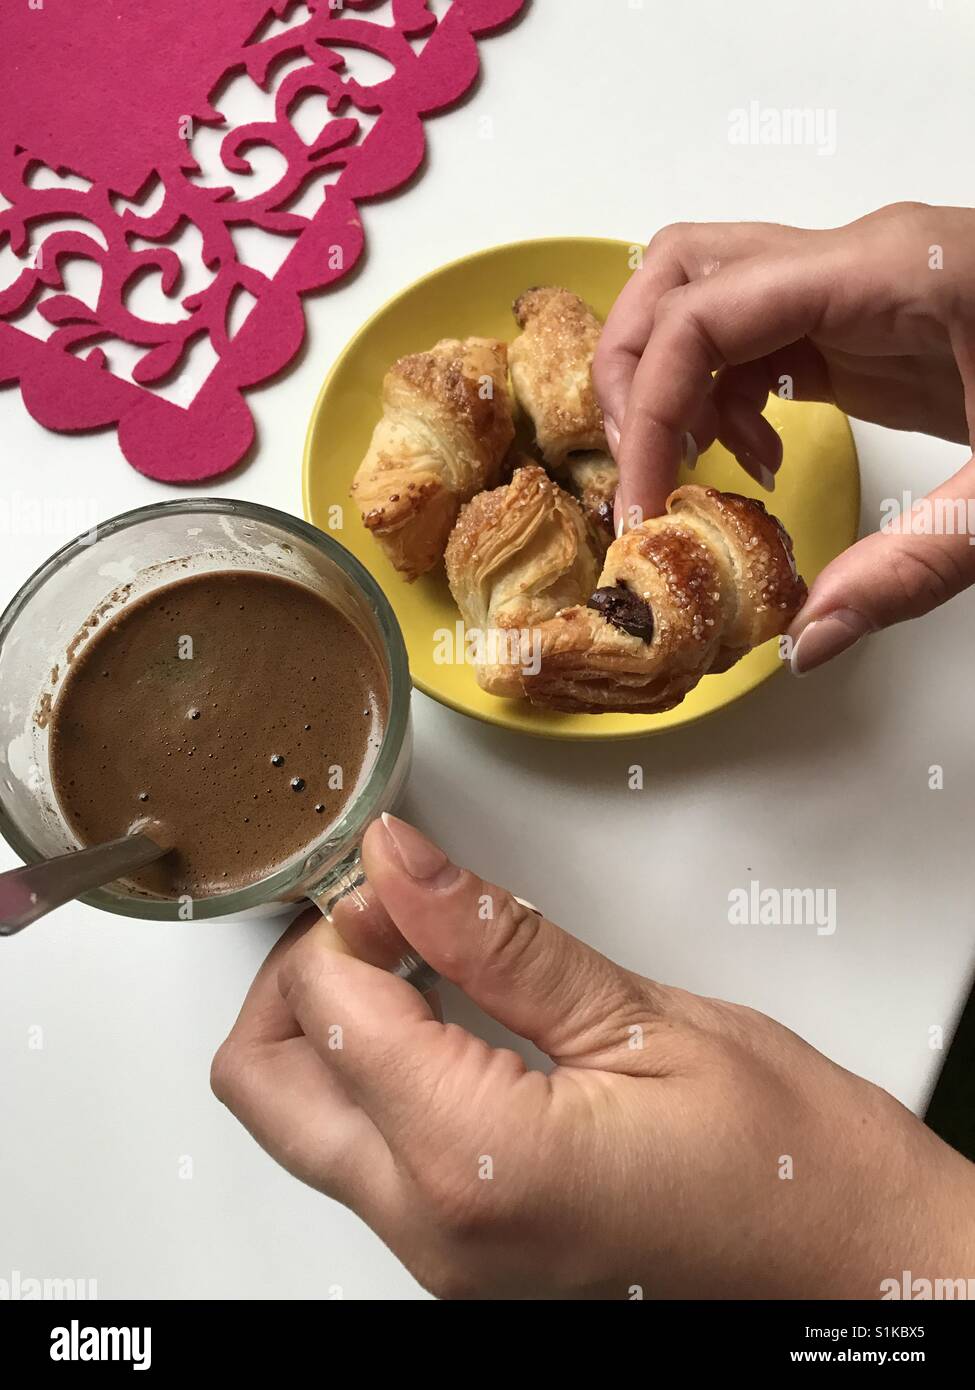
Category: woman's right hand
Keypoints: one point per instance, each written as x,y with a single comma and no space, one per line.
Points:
877,317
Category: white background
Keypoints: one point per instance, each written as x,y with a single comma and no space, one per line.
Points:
609,119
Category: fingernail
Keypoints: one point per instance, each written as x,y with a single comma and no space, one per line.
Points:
619,513
690,451
422,860
612,434
826,637
763,476
531,906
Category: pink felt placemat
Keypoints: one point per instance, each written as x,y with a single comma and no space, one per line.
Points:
112,92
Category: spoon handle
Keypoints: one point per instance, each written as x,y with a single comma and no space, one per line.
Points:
35,889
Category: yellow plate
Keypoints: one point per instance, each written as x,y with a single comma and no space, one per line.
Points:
817,493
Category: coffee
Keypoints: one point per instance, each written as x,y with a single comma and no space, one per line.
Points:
236,711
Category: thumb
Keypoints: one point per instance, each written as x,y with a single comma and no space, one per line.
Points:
914,564
524,971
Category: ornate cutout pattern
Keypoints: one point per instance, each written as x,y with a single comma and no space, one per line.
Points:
102,103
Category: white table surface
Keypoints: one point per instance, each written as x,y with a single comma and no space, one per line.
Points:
608,119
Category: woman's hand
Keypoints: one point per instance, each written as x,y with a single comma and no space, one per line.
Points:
681,1146
878,317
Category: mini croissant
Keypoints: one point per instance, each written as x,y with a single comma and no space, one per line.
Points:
594,478
681,596
445,430
551,371
519,555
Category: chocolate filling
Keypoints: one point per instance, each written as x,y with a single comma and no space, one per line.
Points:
621,607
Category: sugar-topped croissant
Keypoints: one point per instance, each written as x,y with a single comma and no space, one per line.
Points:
681,596
551,371
519,555
446,427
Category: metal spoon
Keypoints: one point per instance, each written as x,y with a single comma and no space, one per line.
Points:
36,889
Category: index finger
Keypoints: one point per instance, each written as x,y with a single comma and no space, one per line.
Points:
736,315
677,255
270,1076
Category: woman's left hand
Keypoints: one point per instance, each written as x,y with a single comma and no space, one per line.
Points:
681,1146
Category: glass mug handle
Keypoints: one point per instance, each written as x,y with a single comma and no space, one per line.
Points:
342,885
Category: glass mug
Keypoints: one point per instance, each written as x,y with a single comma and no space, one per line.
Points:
127,557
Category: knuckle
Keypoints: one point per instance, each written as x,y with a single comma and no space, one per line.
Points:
738,1022
756,1054
925,575
901,215
907,207
301,970
615,1002
460,1206
671,305
227,1073
467,1216
634,1026
669,238
903,231
675,309
730,1050
449,1277
466,1210
512,936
